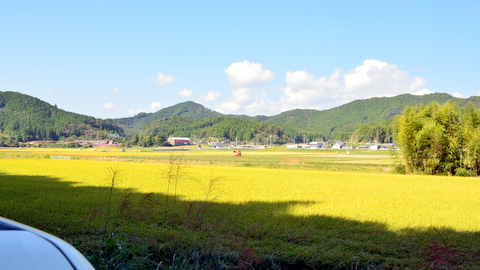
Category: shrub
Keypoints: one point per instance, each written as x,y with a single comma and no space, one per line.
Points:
464,172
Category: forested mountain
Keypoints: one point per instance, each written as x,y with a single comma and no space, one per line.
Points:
25,118
230,128
360,120
334,122
188,109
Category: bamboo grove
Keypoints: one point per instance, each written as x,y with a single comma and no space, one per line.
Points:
439,139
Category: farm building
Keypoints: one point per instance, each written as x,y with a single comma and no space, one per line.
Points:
178,141
315,145
97,143
374,147
219,145
303,145
292,146
248,147
41,142
338,145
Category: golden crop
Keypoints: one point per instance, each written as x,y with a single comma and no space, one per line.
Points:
398,201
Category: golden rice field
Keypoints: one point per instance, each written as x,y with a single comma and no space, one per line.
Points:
399,201
268,209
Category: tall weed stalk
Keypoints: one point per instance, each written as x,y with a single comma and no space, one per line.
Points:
113,176
212,192
173,173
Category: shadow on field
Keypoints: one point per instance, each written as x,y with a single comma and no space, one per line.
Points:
149,231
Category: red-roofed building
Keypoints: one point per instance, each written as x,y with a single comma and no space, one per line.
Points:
178,141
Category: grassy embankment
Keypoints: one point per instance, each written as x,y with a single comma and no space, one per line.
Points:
216,216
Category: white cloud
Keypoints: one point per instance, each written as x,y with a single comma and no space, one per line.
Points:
458,95
185,93
135,112
241,95
379,79
109,106
303,90
422,92
164,80
155,106
261,105
247,74
211,96
372,79
228,107
116,90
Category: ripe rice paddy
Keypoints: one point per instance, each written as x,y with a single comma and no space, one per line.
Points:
262,197
400,201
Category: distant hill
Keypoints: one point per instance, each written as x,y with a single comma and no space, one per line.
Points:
294,123
26,118
220,127
330,122
188,109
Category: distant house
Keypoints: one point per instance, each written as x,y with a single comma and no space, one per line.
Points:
315,145
219,145
374,147
292,146
42,142
338,145
247,147
178,141
97,143
304,145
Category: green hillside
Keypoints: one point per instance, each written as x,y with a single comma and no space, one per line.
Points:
365,119
331,123
230,128
188,109
25,118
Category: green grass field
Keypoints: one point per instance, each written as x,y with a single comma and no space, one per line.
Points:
268,209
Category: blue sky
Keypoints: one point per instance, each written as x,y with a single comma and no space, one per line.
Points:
112,59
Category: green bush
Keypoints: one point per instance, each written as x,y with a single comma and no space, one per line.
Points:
464,172
399,169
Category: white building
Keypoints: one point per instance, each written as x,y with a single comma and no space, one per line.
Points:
338,145
315,145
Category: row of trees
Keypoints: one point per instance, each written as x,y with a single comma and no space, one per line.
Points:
439,139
